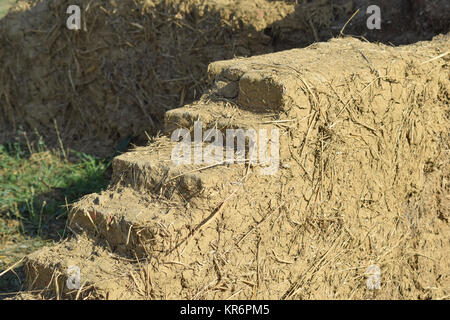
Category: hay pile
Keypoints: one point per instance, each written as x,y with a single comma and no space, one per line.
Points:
132,61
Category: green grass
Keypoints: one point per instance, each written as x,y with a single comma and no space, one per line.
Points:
4,6
36,184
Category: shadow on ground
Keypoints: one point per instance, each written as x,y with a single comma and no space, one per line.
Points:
38,205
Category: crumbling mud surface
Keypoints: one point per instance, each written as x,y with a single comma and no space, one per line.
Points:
362,182
134,60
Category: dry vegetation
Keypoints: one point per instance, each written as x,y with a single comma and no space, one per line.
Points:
364,142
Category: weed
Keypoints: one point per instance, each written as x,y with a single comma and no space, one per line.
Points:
36,185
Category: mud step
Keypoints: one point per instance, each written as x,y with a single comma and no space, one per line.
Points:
134,223
218,114
154,170
102,275
275,82
141,224
263,84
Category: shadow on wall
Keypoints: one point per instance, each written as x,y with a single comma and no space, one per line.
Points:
402,22
137,59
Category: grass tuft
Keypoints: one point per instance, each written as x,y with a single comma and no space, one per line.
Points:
36,184
4,6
